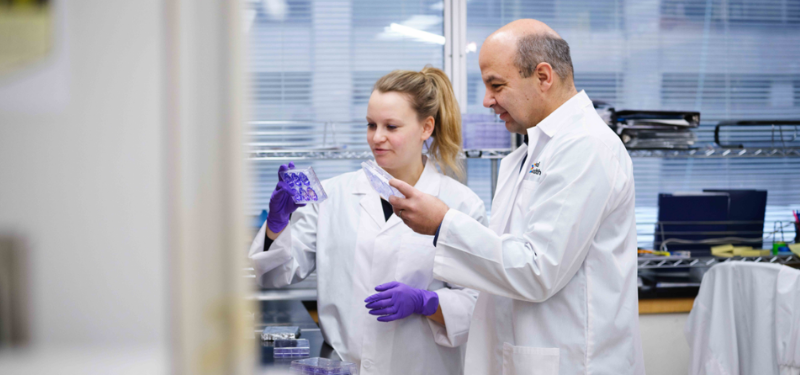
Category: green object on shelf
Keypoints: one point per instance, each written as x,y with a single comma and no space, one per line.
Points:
776,246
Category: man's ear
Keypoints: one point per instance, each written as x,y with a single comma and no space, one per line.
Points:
545,75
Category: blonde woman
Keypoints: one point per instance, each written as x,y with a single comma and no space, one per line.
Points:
369,264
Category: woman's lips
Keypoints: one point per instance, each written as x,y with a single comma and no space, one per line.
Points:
380,151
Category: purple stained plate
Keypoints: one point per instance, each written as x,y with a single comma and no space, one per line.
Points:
306,187
287,178
296,194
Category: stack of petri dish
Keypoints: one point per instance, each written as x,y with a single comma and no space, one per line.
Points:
290,348
323,366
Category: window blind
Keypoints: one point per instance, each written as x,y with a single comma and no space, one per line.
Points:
312,65
730,60
313,62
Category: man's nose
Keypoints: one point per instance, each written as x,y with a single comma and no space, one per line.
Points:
488,99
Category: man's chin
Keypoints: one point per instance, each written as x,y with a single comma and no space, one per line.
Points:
514,127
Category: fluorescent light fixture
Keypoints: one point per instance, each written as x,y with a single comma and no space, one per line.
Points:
417,34
277,9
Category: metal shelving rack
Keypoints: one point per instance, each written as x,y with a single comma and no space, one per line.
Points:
705,262
718,152
344,154
493,154
257,152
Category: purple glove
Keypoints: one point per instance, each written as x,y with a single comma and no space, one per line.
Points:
397,301
281,204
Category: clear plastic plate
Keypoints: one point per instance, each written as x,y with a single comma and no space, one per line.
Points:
306,187
323,366
288,348
379,179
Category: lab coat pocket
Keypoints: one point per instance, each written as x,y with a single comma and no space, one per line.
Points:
415,261
525,195
525,360
530,185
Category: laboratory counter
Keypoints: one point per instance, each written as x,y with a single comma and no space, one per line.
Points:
665,305
289,313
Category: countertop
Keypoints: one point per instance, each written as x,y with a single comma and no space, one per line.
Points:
289,313
665,305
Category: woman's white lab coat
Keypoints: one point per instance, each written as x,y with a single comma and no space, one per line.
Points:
354,249
556,268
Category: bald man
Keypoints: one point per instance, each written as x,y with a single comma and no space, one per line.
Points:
556,268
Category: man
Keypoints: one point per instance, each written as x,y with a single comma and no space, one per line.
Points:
557,266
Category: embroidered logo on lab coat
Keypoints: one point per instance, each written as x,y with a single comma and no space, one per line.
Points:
535,168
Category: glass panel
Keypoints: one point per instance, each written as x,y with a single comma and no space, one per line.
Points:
312,65
730,60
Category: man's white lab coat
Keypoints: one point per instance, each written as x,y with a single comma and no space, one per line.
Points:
354,249
556,269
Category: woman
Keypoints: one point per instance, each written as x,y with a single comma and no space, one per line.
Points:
368,262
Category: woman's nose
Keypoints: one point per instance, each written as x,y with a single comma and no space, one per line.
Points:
379,135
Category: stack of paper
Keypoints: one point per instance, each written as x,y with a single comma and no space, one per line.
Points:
728,251
795,248
656,129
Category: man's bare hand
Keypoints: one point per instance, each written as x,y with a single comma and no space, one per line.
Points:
423,213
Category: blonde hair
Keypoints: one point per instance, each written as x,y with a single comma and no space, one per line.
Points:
432,95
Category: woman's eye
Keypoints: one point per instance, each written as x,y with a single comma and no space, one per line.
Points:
391,127
371,126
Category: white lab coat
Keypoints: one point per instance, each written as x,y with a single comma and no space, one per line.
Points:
746,320
557,266
354,249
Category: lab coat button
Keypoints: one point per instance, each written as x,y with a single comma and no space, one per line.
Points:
366,363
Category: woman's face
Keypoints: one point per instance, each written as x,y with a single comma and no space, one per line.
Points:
394,132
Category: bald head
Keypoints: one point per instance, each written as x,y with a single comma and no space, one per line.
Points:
527,71
531,42
523,27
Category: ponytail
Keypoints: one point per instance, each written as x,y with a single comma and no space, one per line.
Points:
432,95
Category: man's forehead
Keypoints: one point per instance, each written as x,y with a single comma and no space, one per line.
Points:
496,52
496,67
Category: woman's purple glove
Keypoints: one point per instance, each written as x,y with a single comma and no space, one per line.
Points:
397,301
281,204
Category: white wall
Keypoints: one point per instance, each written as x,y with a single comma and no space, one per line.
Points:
82,178
666,351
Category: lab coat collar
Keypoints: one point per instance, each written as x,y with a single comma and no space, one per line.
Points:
430,179
370,201
507,182
508,187
553,123
429,183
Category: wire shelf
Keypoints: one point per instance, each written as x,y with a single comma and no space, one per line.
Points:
718,152
645,263
344,154
256,153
